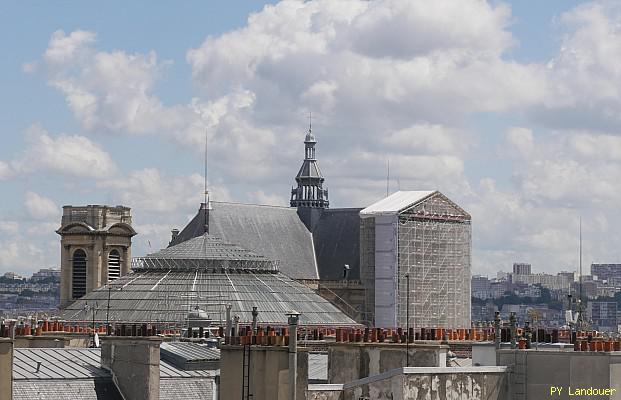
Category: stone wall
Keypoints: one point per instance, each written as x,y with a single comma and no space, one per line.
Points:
348,362
481,383
269,372
533,372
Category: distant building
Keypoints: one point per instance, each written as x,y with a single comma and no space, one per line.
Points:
45,273
95,248
14,276
502,275
603,315
607,272
570,276
521,269
481,287
552,282
499,288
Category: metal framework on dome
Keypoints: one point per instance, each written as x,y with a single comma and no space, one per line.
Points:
205,252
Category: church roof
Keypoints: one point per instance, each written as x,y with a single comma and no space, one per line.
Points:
396,202
274,232
337,242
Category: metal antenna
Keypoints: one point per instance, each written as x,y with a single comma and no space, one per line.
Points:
310,121
206,193
580,319
388,178
580,276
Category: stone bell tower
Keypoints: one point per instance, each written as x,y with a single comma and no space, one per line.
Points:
95,248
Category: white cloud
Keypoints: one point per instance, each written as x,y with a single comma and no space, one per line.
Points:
40,207
260,197
148,191
521,139
584,76
26,256
72,155
5,170
9,227
430,139
109,91
45,229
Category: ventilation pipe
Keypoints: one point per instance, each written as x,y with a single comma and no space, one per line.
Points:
497,329
255,314
227,333
293,318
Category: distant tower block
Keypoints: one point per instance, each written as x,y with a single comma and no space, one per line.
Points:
95,248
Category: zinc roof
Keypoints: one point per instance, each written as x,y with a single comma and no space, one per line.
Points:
166,296
190,356
396,202
76,364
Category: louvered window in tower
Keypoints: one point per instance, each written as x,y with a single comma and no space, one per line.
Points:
78,278
114,265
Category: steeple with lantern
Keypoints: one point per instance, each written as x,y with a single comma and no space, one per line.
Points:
310,192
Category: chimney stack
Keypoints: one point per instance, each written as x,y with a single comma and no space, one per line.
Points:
135,365
173,235
6,369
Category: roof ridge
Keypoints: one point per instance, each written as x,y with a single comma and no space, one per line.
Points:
253,204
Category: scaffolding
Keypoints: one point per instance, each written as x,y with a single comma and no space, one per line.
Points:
433,244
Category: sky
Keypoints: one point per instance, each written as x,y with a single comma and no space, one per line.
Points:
512,109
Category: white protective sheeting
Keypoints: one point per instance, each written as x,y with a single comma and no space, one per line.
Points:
395,203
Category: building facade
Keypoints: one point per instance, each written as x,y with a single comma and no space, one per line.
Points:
603,315
521,269
95,248
607,272
419,241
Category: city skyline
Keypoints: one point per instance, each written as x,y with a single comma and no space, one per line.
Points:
508,108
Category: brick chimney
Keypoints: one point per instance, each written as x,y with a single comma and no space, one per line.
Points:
6,369
135,365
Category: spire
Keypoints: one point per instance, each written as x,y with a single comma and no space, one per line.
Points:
309,192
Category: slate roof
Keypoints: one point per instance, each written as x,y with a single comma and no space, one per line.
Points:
272,231
337,242
309,169
76,374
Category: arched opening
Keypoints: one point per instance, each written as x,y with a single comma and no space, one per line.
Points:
78,278
114,265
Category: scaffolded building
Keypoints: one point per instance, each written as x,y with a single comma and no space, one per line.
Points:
424,238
